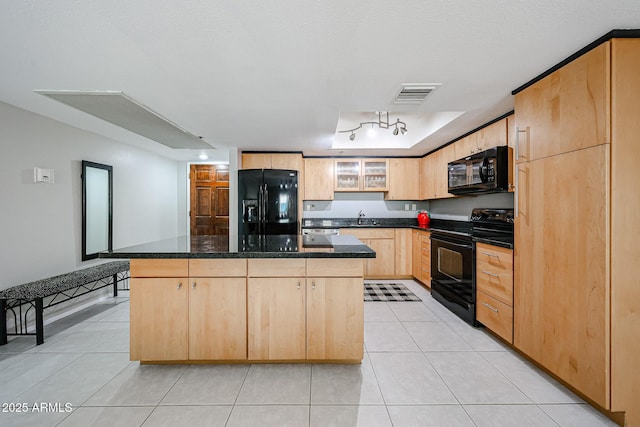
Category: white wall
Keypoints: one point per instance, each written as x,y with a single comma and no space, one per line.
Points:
41,224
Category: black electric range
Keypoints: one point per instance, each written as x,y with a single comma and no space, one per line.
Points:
453,257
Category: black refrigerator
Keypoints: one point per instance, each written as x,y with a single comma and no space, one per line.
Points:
267,201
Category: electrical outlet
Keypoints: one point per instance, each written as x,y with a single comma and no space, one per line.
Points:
406,206
413,206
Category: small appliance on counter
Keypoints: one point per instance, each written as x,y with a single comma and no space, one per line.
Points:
268,201
423,219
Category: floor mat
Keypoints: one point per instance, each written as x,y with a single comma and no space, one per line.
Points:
388,292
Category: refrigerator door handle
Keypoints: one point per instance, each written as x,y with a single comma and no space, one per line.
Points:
260,201
266,203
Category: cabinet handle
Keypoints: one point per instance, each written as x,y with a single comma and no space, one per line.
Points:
515,193
489,307
491,274
193,285
298,285
518,132
313,285
489,254
179,285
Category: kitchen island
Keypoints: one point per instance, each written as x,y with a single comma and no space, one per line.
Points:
247,299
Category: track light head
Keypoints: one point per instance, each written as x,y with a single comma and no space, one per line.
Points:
395,131
352,136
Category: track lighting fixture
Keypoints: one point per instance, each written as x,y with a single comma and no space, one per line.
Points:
382,123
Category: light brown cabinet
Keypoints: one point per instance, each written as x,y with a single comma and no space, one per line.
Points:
576,226
335,318
466,146
511,140
566,111
317,315
494,289
494,135
421,269
403,252
434,176
217,318
292,161
361,175
382,241
188,318
319,180
276,323
404,179
159,318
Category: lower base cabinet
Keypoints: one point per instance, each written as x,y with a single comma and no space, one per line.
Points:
335,318
159,318
276,324
217,318
316,315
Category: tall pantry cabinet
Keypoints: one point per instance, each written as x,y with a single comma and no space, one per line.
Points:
576,292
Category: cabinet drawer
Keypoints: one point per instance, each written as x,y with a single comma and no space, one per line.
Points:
495,315
335,267
269,267
498,284
218,267
369,233
495,256
159,267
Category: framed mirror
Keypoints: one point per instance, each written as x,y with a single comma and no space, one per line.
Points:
97,209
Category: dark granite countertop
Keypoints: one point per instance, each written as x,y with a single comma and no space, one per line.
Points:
277,246
353,223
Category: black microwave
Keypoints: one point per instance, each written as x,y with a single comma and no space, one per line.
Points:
483,172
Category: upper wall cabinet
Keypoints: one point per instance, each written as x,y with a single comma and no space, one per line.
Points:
318,184
290,161
404,179
490,136
361,175
566,111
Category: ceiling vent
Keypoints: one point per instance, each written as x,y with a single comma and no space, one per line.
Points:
121,110
414,93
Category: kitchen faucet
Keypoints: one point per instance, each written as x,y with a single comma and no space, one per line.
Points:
360,216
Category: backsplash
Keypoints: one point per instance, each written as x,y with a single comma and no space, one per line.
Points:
348,205
459,208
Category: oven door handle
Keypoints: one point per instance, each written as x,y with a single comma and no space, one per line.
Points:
449,242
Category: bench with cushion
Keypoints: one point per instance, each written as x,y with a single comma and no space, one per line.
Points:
62,288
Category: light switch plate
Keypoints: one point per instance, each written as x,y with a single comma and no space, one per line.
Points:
43,175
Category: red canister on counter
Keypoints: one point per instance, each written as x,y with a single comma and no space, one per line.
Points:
423,219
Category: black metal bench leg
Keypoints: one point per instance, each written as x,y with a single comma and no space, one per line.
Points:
39,322
3,322
115,285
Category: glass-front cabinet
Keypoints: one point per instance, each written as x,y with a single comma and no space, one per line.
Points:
361,175
347,175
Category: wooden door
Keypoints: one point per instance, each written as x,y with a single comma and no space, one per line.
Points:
416,251
561,291
335,318
276,318
493,135
159,319
318,183
217,318
403,252
256,161
383,265
567,110
209,200
404,179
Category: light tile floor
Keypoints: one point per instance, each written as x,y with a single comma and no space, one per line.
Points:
422,367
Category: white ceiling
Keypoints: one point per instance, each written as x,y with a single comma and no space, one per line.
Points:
275,75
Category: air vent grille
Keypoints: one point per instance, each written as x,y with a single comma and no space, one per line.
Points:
414,93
